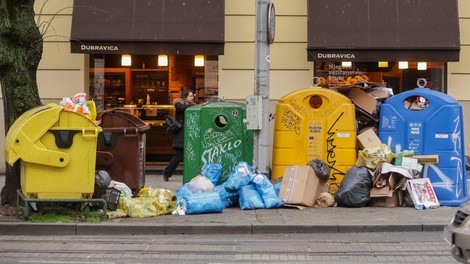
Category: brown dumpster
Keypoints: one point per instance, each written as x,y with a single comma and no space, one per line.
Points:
121,147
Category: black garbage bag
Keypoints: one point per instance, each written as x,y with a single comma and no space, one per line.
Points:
321,168
102,180
354,190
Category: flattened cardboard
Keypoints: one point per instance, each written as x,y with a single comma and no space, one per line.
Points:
404,171
363,100
393,199
427,159
300,187
387,196
380,94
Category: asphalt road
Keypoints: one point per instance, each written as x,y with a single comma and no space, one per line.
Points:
394,247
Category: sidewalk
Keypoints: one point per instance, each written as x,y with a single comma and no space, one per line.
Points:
236,221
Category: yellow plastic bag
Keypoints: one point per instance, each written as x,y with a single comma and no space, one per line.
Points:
372,157
151,202
135,208
116,214
163,197
92,107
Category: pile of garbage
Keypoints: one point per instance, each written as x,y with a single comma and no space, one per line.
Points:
243,188
382,178
121,201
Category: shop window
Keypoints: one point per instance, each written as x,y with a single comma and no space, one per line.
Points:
335,75
113,85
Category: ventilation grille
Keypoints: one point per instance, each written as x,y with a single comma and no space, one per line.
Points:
459,218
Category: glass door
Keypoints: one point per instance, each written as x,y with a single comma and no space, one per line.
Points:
109,87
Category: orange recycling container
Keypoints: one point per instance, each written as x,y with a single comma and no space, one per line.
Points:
315,123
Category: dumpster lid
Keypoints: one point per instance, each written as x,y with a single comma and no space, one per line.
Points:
23,138
116,119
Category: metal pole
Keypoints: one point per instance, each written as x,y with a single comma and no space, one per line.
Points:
262,65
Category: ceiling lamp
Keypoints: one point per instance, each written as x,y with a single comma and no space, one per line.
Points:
346,64
162,60
402,65
126,60
422,66
383,64
199,60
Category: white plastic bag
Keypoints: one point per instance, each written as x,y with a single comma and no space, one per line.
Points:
200,184
122,187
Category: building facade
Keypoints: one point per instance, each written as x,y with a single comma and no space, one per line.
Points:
62,73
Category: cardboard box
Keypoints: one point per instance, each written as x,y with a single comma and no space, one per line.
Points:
368,139
412,106
422,193
383,193
392,199
363,100
300,186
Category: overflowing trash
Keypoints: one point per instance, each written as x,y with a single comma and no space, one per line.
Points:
379,177
149,202
78,103
243,187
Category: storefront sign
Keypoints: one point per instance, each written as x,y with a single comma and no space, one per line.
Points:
339,73
336,56
99,47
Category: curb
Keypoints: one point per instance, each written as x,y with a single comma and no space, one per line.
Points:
71,229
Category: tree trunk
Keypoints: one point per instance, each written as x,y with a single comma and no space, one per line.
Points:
20,53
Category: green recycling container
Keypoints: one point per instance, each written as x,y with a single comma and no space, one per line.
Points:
216,133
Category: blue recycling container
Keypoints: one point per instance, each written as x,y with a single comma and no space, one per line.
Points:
429,122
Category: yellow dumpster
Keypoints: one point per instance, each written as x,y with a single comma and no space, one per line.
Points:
315,123
57,151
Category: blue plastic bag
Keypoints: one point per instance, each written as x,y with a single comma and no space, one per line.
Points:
239,177
212,171
266,190
250,198
277,187
202,203
183,191
228,198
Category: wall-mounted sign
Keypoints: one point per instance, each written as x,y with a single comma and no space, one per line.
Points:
271,23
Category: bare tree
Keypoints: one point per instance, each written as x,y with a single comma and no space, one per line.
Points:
21,47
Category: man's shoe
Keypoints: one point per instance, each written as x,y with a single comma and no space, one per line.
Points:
166,178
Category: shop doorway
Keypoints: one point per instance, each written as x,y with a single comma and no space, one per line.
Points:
147,90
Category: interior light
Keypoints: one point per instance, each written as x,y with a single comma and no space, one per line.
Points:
402,65
346,64
383,64
199,60
162,60
126,60
422,66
